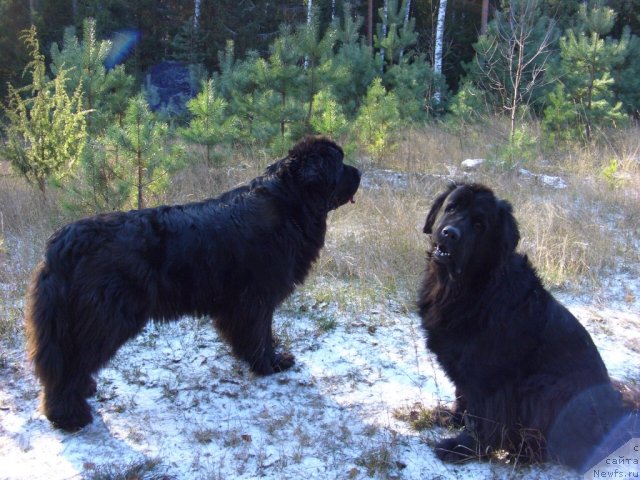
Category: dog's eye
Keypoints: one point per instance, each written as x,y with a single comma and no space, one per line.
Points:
450,208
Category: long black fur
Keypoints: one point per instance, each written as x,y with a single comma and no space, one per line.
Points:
235,258
528,376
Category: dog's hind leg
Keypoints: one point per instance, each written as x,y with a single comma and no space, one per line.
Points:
51,350
65,406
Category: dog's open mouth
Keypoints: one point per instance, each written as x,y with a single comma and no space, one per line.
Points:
441,252
338,202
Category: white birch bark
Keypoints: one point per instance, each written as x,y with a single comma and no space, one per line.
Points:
385,17
196,15
406,21
437,60
309,19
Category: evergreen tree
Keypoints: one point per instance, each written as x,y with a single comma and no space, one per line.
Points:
627,78
46,131
141,142
406,72
328,117
586,81
105,93
316,51
188,44
210,123
103,182
241,84
284,79
398,35
353,67
377,118
413,81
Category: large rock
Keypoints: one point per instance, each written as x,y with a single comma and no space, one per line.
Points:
472,163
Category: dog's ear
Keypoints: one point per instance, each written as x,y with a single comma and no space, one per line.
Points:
509,233
435,208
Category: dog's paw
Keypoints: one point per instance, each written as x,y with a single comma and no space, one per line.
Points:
283,361
457,449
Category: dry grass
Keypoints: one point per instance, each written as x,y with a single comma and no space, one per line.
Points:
26,220
574,236
375,249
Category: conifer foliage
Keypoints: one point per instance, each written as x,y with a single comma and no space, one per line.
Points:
46,127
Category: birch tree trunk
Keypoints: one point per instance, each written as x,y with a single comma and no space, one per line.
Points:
385,16
369,23
437,61
406,21
196,15
309,19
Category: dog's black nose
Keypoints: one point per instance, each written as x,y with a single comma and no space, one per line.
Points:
452,233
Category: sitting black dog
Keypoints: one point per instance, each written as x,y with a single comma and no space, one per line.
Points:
235,258
528,377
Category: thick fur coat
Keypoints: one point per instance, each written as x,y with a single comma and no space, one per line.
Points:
528,376
234,258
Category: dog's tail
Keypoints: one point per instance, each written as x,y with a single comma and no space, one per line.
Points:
46,325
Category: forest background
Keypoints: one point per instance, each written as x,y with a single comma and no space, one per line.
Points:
105,100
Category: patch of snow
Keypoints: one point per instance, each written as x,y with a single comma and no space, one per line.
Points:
548,180
384,178
175,394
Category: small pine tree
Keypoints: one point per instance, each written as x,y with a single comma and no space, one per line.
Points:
105,93
353,67
46,131
316,51
377,118
266,95
627,78
328,117
141,142
210,123
413,81
284,78
585,70
399,34
103,182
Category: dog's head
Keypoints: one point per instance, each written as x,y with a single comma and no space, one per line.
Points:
471,231
315,165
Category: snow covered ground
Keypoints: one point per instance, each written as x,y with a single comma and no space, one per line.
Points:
175,404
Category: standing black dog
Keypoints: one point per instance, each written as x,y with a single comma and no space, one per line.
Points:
528,377
235,258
